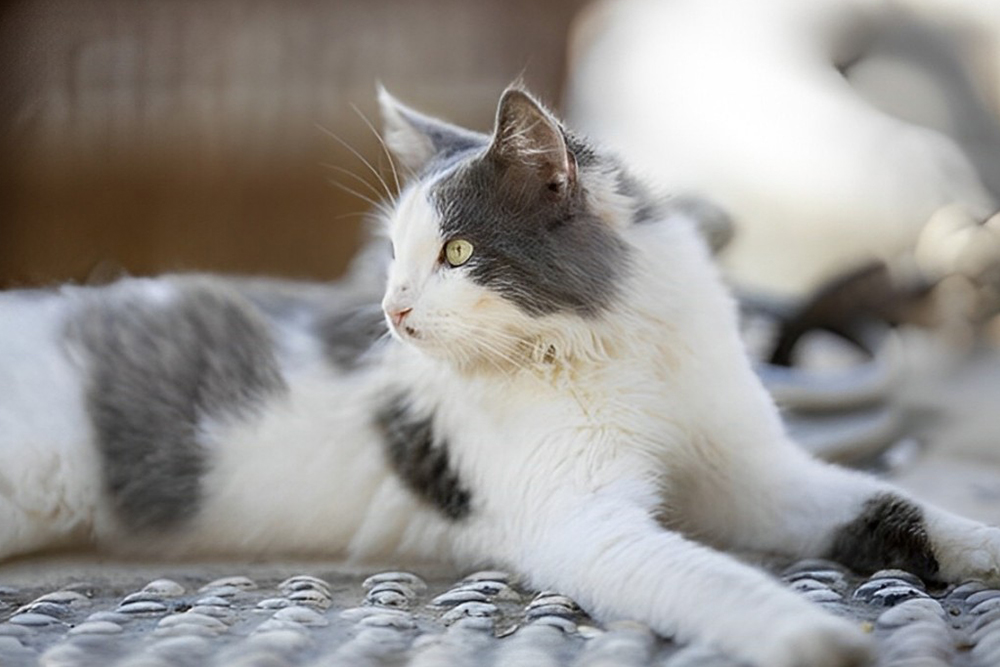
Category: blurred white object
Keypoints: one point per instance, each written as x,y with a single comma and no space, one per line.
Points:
745,102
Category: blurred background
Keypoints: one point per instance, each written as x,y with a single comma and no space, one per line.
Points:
164,135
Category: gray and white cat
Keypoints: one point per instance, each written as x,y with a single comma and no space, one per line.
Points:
564,393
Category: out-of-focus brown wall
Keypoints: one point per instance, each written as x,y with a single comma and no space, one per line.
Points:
161,135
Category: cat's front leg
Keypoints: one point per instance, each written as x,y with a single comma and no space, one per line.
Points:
612,556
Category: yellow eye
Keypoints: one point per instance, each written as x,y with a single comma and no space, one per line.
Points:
457,252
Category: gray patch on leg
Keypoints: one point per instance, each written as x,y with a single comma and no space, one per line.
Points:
420,458
156,371
888,533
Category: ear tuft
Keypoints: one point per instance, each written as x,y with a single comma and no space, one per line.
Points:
529,138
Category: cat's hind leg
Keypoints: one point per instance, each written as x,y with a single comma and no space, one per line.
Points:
788,503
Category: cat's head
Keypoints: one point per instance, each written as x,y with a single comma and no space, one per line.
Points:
501,242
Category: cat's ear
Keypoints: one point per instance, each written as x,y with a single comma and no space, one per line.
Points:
415,139
530,141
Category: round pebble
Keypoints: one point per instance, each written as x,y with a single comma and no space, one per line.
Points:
273,603
186,630
868,589
96,628
304,578
311,598
823,596
458,596
9,630
828,577
984,607
48,608
359,613
496,590
223,614
142,596
284,640
272,624
110,617
893,595
299,584
33,620
302,615
167,588
221,591
964,590
213,601
550,610
489,575
901,575
393,586
484,624
560,622
806,584
71,598
408,578
397,621
546,598
910,611
148,607
921,639
193,618
473,609
388,599
184,649
982,596
238,582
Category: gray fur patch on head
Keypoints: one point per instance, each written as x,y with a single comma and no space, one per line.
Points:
158,370
544,253
420,457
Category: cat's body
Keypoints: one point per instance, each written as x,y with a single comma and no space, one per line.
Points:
564,393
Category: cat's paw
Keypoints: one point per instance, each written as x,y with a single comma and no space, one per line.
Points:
971,552
825,641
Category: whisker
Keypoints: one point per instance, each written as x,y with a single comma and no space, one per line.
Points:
385,148
360,157
375,191
378,205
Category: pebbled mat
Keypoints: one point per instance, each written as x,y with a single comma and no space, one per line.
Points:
330,618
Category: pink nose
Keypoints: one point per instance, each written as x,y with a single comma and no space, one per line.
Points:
397,316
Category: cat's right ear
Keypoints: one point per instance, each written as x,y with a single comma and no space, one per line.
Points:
416,140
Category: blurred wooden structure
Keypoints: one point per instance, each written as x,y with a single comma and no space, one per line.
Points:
192,135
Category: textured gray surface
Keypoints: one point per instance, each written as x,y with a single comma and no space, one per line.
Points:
325,615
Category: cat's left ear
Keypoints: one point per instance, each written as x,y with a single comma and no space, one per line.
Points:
416,140
530,141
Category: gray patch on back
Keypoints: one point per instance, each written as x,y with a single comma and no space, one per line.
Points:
157,371
545,255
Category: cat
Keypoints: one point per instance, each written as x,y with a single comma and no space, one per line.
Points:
552,382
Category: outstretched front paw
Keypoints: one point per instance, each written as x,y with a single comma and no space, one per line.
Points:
826,641
969,552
